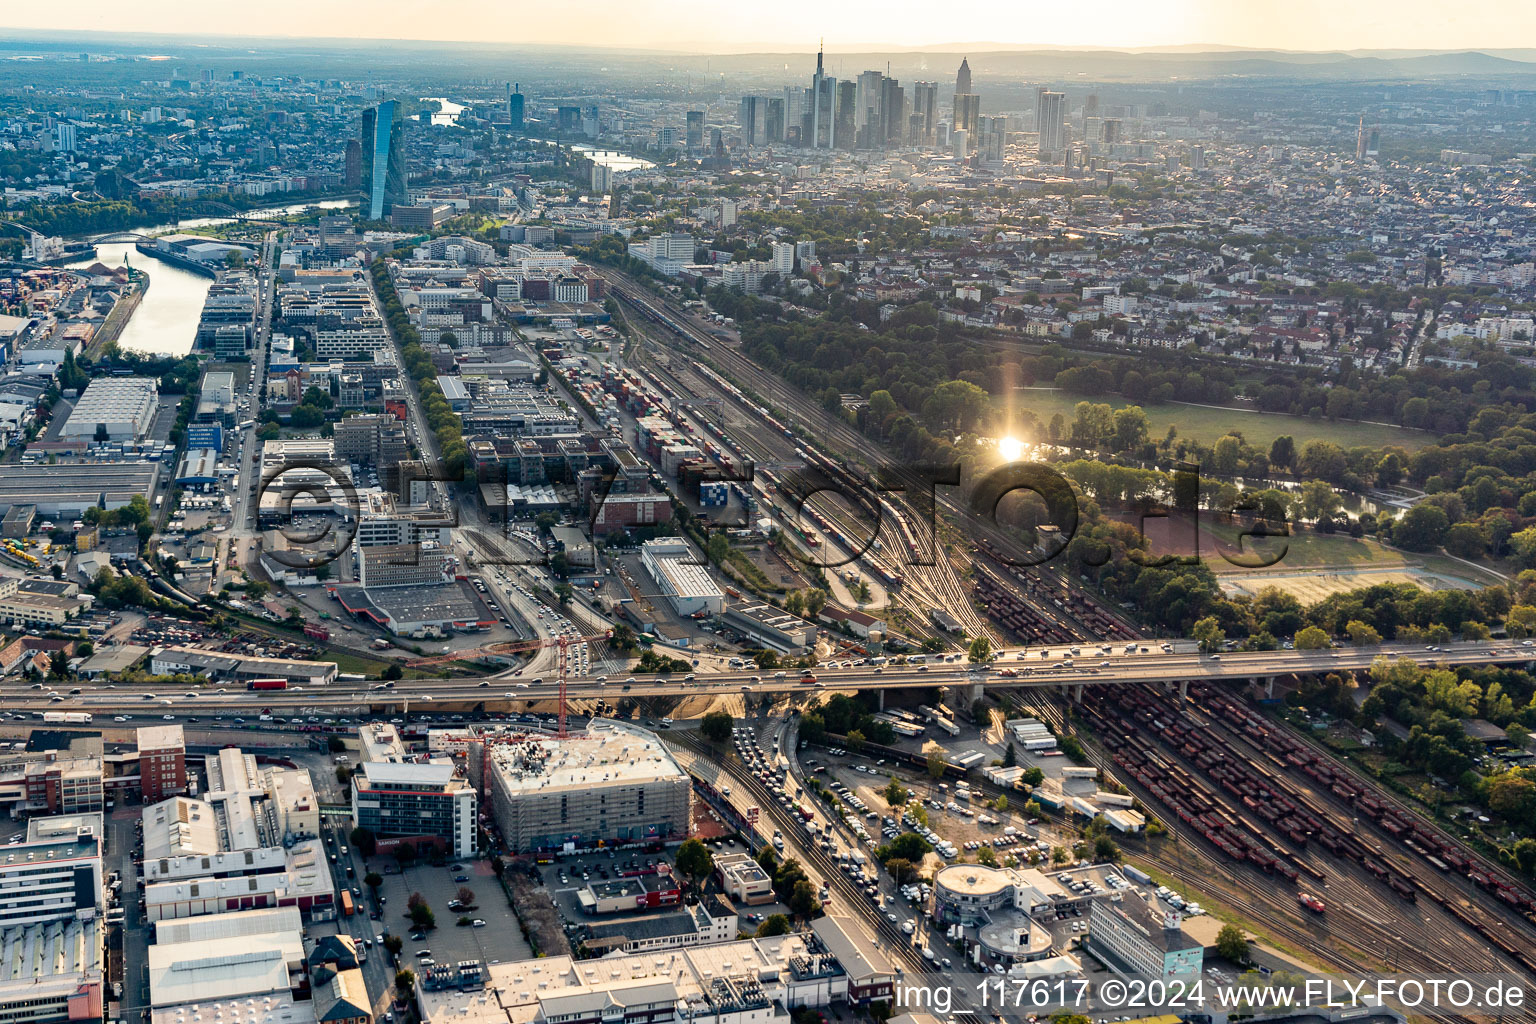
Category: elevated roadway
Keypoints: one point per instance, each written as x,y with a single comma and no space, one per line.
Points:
1092,667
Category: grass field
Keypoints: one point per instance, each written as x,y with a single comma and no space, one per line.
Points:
1206,424
1309,565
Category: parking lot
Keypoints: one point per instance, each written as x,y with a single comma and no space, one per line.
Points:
500,938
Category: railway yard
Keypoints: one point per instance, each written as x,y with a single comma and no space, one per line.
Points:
1256,817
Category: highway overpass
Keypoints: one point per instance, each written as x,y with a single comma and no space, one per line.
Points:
1091,667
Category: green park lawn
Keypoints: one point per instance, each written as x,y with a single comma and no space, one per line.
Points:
1207,425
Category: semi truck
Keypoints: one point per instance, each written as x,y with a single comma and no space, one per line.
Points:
267,684
67,717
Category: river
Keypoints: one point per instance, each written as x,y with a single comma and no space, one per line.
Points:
609,158
447,111
166,321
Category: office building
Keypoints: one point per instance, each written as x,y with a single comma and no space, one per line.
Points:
967,113
613,784
695,133
50,879
963,77
162,762
67,139
845,132
819,121
1050,121
1111,131
383,159
352,165
925,106
515,108
1135,938
416,804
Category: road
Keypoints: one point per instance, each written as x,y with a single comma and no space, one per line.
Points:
1117,668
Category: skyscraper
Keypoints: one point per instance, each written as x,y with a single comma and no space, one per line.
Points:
893,111
353,162
847,106
925,105
967,104
383,159
1050,110
967,112
515,108
695,130
1367,140
773,125
821,103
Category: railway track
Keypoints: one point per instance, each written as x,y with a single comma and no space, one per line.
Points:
896,943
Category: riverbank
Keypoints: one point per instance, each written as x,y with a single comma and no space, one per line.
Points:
119,317
195,266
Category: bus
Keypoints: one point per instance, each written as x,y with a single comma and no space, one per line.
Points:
346,903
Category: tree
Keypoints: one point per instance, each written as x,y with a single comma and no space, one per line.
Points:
373,880
392,672
335,744
716,726
1105,849
405,853
343,776
901,869
1422,528
908,846
1209,634
936,763
895,793
405,984
1513,797
776,924
366,842
1231,944
856,740
986,856
803,901
1282,451
1033,776
719,548
694,860
980,713
980,651
422,917
1361,634
1311,638
394,944
465,896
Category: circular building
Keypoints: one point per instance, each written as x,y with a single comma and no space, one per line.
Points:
969,894
1011,937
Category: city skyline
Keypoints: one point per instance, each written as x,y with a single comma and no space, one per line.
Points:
1314,26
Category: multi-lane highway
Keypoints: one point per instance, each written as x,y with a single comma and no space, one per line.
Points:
1093,665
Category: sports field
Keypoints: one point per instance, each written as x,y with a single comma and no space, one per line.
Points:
1207,424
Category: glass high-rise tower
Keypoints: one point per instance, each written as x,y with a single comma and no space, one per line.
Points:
383,163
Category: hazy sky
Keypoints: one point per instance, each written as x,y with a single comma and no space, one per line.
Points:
747,25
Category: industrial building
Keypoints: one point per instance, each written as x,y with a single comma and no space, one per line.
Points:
416,804
162,761
50,879
202,964
772,627
247,806
53,973
743,879
753,981
614,784
270,876
68,489
113,408
681,577
239,667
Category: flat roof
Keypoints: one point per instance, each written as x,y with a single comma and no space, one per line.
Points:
393,773
605,754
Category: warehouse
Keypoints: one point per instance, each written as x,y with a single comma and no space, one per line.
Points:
772,626
681,578
67,490
239,667
614,784
122,408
